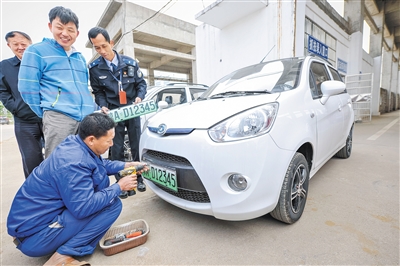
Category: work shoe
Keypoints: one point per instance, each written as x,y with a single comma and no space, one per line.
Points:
141,186
123,194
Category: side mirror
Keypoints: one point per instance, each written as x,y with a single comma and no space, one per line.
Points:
162,105
331,87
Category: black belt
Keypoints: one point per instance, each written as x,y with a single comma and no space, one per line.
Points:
18,240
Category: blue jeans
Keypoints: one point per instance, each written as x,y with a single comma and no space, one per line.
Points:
70,236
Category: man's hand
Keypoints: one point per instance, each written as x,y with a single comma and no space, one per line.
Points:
138,100
104,110
128,182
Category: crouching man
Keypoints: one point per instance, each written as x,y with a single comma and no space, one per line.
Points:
66,205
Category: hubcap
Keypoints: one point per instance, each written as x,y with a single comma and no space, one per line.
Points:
349,143
298,192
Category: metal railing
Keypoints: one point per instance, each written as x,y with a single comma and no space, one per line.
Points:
360,89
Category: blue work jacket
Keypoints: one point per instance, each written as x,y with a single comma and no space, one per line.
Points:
72,178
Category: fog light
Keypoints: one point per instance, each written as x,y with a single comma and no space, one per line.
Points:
237,182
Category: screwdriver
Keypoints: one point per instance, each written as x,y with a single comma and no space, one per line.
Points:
121,237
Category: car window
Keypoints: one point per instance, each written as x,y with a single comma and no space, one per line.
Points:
313,86
195,92
320,75
172,96
335,74
274,77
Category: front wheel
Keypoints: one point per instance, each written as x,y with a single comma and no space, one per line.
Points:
293,197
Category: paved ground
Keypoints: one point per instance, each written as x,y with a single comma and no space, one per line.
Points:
351,216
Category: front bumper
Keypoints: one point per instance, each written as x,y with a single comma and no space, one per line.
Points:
203,168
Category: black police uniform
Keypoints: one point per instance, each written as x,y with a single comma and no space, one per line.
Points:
28,126
104,83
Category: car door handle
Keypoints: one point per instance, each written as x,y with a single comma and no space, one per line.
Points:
340,108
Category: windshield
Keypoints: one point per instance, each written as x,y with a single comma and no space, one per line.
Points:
271,77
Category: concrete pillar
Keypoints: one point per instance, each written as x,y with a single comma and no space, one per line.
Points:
386,74
127,40
193,75
375,39
375,51
299,20
354,14
150,76
395,76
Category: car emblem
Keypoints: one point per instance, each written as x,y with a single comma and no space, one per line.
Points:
162,129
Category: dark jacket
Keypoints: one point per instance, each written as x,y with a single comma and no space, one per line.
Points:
72,178
105,85
9,94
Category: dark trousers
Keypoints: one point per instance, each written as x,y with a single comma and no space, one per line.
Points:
71,236
30,142
133,129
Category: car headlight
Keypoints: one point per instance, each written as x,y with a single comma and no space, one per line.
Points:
248,124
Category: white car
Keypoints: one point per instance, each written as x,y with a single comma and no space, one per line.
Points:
249,145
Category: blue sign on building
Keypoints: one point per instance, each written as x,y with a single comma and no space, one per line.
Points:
317,47
342,65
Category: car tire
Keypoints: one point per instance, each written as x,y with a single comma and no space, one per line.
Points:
345,152
293,196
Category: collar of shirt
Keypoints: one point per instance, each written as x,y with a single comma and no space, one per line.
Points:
114,61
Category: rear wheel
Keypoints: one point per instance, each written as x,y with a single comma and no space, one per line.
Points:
345,152
293,197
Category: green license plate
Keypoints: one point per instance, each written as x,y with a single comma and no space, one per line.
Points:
134,110
163,176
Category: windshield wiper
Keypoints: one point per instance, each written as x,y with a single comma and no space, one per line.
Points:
236,93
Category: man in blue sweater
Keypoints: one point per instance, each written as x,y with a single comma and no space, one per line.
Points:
27,125
53,80
67,205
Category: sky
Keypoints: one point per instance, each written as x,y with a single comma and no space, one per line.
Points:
31,17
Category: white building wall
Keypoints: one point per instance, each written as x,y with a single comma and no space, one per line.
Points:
367,64
245,42
276,31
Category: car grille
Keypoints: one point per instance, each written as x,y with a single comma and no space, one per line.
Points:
190,186
167,157
195,196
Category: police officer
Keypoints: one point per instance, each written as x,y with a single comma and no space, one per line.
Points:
117,81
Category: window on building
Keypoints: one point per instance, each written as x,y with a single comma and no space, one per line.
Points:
312,29
366,37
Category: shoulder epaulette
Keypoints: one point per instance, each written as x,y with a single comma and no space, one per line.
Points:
94,63
129,61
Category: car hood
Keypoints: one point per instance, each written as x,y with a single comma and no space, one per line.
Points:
206,113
